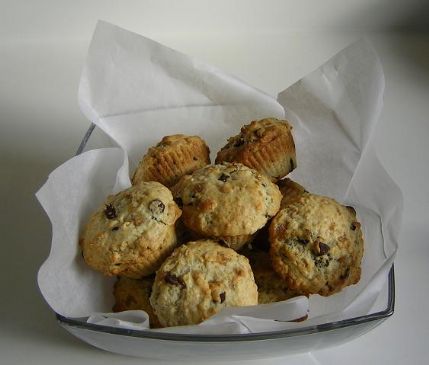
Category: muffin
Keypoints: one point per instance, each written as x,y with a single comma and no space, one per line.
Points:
133,294
271,288
265,145
198,280
170,159
227,202
316,245
132,232
290,190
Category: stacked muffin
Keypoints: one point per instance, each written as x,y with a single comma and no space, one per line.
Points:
179,239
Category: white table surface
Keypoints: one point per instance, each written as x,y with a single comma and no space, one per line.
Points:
42,50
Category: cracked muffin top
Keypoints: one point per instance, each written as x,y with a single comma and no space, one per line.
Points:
227,199
266,145
198,280
173,157
132,232
316,245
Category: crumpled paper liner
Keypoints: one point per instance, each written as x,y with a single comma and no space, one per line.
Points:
138,91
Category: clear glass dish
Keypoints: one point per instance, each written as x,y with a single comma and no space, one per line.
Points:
170,347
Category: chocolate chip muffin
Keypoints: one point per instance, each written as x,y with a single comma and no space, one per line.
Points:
290,190
170,159
316,245
265,145
271,288
200,279
132,232
133,294
227,202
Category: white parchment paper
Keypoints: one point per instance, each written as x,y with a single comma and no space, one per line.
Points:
138,91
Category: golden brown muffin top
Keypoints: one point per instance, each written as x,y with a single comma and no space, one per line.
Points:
198,280
173,157
227,199
263,131
129,233
316,245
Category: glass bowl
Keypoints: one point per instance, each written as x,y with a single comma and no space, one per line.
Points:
182,347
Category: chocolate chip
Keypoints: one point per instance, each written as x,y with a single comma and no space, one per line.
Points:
302,241
179,201
354,225
292,164
156,207
322,261
194,158
323,248
115,228
223,177
174,280
239,143
110,211
222,297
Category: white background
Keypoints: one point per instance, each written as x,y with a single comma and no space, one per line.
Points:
269,44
